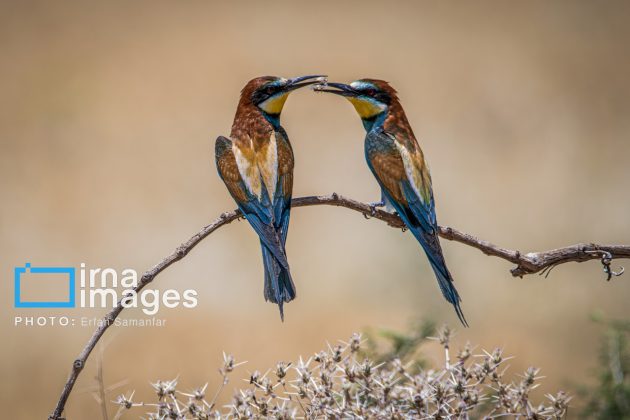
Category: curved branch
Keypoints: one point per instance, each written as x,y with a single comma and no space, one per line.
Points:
528,263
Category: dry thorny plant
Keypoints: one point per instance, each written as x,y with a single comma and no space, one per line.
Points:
341,382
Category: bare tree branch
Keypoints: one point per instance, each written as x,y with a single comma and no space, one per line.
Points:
528,263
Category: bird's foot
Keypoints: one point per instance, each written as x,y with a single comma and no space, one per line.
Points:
375,205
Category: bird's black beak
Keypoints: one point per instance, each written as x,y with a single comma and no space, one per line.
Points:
298,82
339,89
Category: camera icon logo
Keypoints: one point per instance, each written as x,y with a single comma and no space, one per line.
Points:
60,279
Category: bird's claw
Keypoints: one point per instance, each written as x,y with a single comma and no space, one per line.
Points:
375,205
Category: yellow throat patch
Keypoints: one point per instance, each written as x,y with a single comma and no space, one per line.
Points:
274,105
366,108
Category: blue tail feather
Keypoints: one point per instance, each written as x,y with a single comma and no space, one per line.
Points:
279,287
431,246
448,289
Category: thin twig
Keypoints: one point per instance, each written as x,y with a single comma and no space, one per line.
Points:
119,413
101,383
528,263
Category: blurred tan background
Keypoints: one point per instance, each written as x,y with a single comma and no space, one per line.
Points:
108,116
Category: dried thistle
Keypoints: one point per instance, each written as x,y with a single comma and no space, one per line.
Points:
343,384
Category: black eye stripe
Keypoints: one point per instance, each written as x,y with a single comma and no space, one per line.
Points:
368,91
379,95
263,93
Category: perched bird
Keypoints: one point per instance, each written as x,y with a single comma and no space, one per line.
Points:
256,165
397,162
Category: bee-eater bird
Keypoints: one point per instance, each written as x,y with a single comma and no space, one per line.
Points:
396,160
256,165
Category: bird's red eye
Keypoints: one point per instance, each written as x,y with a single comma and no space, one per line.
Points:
371,92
